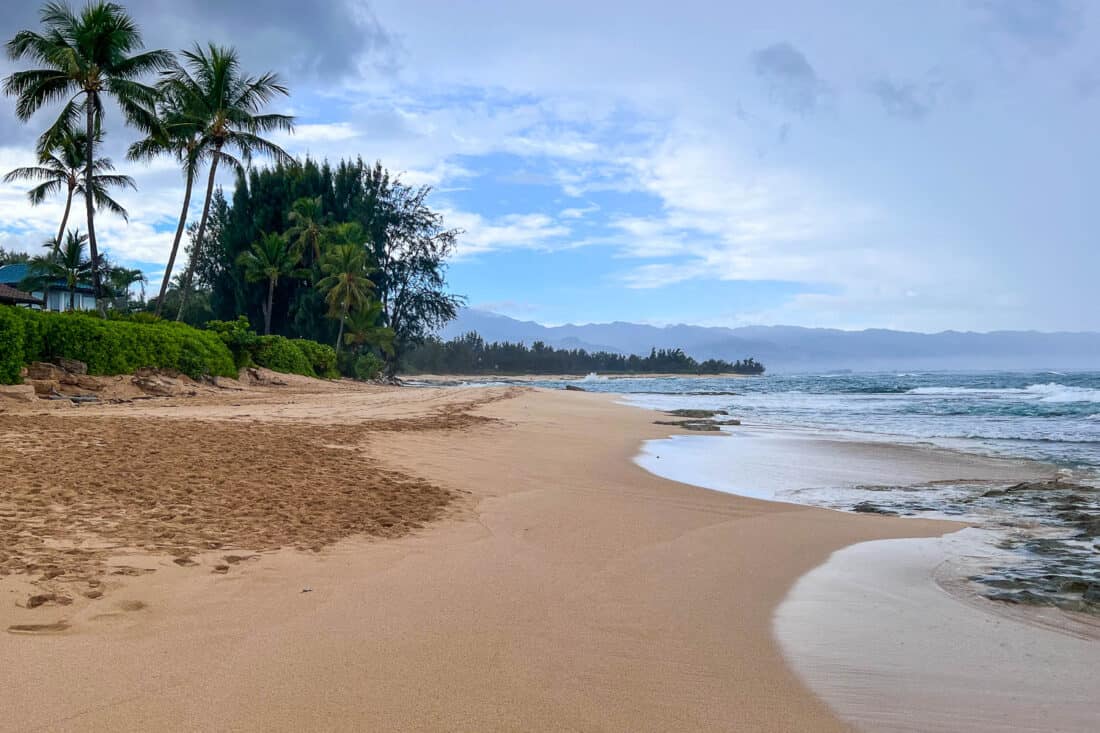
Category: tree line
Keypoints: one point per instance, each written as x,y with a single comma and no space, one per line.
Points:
471,354
346,255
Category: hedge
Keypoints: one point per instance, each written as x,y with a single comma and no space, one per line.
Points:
11,346
321,357
280,354
108,346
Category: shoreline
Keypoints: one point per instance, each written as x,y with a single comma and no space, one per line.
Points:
565,587
884,639
879,628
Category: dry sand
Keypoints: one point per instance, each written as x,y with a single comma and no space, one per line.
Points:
451,560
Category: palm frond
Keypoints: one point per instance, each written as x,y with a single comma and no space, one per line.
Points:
42,191
31,173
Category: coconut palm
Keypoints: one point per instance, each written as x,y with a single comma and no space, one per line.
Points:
120,280
364,329
213,92
346,283
170,131
65,263
270,259
306,229
85,59
61,168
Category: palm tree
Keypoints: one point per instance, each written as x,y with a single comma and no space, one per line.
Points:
307,231
363,328
66,263
170,131
269,259
120,280
213,93
88,58
61,168
346,284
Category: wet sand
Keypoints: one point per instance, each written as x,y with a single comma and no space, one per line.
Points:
553,585
874,632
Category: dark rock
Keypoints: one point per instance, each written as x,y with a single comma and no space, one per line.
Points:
1031,598
1055,485
695,413
866,507
1075,585
72,366
574,388
702,426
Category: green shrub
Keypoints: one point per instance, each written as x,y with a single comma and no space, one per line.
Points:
116,346
11,346
239,337
321,357
367,367
280,354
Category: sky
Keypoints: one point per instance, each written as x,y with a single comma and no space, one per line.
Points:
856,164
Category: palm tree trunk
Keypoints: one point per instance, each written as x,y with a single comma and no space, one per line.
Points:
340,331
64,220
89,197
270,305
72,299
176,242
198,236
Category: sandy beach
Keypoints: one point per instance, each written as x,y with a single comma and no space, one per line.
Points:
326,556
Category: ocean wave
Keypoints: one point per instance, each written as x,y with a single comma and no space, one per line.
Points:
1052,392
1049,392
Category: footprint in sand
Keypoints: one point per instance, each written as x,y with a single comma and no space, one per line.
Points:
132,605
53,628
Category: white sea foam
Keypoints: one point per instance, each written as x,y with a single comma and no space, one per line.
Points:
1049,392
1052,392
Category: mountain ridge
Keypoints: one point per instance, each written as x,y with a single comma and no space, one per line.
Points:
801,348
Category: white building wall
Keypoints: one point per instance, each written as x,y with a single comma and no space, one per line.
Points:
59,301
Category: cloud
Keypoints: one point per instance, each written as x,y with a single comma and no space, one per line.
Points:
512,231
321,41
791,80
903,99
1044,27
578,212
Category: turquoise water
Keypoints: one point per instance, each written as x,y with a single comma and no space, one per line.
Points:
1047,416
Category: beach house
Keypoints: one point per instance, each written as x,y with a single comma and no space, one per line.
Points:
56,296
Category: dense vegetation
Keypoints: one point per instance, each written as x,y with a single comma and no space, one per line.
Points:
108,346
347,255
470,354
366,263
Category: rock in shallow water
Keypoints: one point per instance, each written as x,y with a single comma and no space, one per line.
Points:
866,507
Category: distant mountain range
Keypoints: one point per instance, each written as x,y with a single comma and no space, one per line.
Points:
797,349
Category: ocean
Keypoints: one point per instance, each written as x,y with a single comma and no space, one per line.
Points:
1047,416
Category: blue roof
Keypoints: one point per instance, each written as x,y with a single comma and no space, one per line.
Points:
15,274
